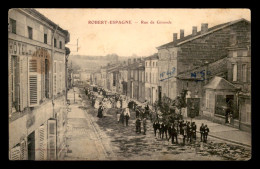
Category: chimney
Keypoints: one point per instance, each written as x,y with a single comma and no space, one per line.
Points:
175,37
194,30
204,28
181,33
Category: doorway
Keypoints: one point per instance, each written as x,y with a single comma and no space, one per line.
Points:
31,146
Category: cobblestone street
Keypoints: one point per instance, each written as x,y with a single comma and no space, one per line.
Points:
108,140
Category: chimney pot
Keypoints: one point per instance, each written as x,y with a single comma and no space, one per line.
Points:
181,33
204,27
194,30
175,36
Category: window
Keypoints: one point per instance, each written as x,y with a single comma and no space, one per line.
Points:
153,64
146,64
55,42
244,72
234,68
30,33
156,64
146,76
13,25
60,45
45,38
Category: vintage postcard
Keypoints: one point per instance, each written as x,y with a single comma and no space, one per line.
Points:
129,84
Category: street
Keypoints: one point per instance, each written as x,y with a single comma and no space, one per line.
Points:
91,138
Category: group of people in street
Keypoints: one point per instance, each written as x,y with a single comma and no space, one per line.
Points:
168,130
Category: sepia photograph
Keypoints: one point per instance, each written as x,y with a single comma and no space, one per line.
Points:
129,84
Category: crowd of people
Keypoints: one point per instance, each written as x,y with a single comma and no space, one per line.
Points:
169,130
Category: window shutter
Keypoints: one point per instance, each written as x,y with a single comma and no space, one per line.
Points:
15,153
33,82
42,143
23,82
51,140
23,150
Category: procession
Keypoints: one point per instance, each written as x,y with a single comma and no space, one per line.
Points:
186,131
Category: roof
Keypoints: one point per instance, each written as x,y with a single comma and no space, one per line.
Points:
154,56
41,16
219,83
214,68
191,37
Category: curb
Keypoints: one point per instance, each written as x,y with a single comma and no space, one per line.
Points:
232,141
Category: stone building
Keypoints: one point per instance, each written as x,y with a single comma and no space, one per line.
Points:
199,48
223,87
36,68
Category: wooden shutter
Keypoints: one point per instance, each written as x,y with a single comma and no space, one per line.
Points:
33,82
41,143
23,149
23,82
15,153
51,139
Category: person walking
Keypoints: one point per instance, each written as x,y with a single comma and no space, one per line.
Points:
206,132
118,114
202,132
144,125
138,125
127,115
137,112
100,111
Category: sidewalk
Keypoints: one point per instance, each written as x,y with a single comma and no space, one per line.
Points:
224,132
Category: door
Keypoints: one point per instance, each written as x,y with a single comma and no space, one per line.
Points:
193,107
31,146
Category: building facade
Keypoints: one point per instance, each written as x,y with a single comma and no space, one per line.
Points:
151,78
189,52
36,62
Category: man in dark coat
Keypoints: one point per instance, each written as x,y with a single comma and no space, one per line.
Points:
202,132
165,130
146,111
206,131
138,125
160,129
156,127
174,133
194,128
144,125
188,132
100,111
137,112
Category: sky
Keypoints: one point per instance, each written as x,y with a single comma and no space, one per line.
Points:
136,38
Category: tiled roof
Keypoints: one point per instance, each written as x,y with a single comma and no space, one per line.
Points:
214,68
218,83
154,56
199,34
